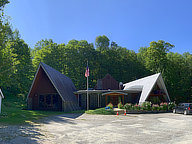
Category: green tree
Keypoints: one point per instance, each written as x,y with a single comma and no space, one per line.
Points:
23,67
155,57
41,51
3,3
102,43
178,77
7,58
77,55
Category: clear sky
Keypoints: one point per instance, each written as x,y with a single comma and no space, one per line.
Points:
130,23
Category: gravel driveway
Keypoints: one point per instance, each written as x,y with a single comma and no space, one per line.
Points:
132,129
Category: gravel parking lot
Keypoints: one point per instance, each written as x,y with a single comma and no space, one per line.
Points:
142,128
132,129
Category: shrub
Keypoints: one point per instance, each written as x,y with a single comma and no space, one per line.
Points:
155,107
146,105
136,107
120,106
110,105
142,108
161,108
171,105
128,106
164,106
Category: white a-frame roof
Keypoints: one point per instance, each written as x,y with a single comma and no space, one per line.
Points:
1,94
147,84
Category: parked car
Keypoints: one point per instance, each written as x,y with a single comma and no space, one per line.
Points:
184,108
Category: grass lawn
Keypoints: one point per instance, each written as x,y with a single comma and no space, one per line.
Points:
101,111
13,113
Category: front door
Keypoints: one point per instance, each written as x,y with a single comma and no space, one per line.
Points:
50,102
114,100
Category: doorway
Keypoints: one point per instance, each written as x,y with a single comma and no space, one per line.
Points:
50,102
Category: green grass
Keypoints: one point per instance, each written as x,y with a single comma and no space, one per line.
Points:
13,113
101,111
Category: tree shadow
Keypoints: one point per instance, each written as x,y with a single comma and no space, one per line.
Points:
64,118
31,133
20,134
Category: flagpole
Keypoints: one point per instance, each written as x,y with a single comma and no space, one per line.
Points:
87,92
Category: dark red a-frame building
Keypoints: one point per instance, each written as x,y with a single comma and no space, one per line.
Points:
52,90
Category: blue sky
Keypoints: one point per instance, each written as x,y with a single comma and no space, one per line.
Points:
130,23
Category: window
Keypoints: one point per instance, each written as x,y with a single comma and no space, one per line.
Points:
41,101
48,99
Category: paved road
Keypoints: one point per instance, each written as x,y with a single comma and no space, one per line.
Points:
164,128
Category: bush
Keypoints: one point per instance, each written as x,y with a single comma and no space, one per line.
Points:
110,105
171,105
155,107
128,106
163,106
146,106
136,107
120,106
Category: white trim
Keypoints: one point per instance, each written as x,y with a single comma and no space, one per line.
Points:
164,87
1,94
0,103
150,87
148,84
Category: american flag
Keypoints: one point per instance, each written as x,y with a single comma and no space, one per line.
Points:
87,71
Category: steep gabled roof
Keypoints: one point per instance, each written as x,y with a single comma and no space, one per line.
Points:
1,94
63,85
147,84
108,82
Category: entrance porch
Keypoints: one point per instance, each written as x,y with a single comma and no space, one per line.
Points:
114,98
101,98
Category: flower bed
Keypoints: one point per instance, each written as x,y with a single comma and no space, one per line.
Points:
148,107
147,112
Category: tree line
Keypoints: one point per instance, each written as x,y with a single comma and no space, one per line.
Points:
18,62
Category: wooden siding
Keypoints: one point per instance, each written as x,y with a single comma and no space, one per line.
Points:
51,90
42,85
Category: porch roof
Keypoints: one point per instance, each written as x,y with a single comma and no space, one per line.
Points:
107,91
114,93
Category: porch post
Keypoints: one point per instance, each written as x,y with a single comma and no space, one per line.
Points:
98,99
123,99
78,99
45,101
51,100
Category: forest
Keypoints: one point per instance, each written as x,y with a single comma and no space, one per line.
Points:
19,62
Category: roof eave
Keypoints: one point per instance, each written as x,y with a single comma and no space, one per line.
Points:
33,81
52,82
1,94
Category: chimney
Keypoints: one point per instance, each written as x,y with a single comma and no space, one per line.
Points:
120,86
